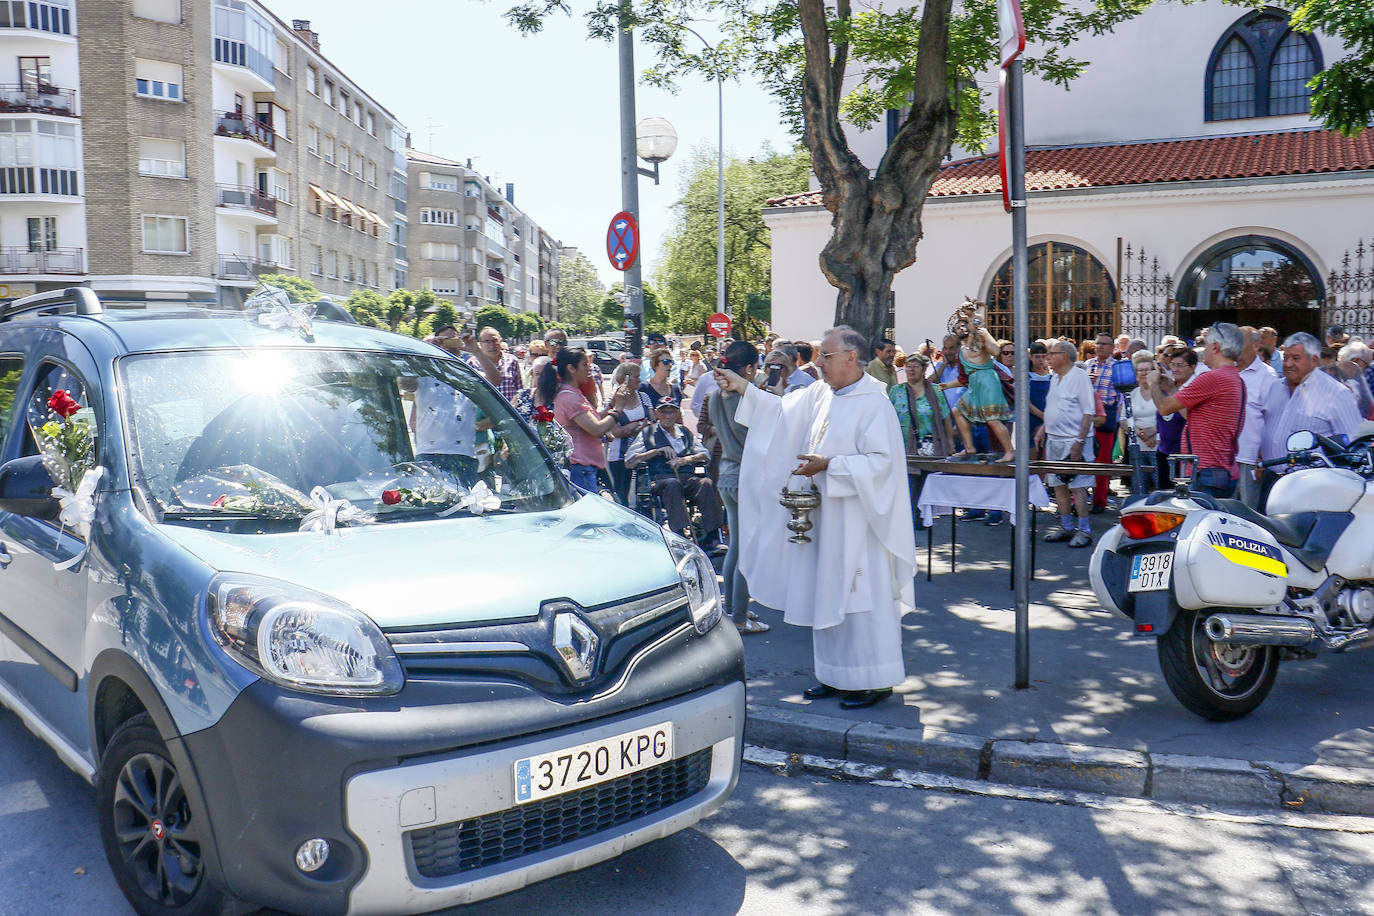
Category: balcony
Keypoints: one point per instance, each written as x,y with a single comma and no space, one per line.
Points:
39,99
495,214
245,197
242,126
237,268
50,261
496,275
42,17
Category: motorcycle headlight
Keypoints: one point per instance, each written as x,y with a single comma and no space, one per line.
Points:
301,639
698,581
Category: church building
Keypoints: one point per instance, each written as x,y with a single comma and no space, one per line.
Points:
1179,181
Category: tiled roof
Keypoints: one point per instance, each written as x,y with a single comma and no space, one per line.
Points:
1156,162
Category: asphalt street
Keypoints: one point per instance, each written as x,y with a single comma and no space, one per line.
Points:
806,843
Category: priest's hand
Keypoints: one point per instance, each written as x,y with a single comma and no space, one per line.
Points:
811,465
731,381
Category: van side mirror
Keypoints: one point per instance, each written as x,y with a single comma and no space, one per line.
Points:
26,489
1301,441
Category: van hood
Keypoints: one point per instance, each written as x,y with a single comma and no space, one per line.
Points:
451,572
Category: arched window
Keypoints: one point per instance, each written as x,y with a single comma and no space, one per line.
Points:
1259,68
1070,293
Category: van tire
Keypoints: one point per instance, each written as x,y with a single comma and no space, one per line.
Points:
148,828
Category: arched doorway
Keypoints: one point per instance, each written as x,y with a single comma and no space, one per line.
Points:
1251,279
1071,294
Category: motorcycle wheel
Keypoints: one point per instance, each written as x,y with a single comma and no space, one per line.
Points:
1215,680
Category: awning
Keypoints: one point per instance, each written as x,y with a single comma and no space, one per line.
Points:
381,223
336,200
354,208
319,193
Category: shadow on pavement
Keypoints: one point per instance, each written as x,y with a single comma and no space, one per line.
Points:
1093,681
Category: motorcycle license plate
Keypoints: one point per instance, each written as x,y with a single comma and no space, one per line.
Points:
1150,572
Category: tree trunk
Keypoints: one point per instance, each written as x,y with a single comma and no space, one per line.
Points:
876,219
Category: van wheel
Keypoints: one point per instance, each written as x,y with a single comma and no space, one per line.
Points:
1218,681
152,837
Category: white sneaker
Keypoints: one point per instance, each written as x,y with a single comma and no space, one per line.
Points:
1080,539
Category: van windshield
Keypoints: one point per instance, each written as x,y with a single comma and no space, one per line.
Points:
259,432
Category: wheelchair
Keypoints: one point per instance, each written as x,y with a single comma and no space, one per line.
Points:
647,503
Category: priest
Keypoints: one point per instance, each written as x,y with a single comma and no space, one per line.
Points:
853,581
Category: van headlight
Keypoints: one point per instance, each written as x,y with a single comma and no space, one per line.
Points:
301,639
698,581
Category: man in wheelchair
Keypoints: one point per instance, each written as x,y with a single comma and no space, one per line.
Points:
674,461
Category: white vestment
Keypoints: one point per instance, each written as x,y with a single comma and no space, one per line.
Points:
853,581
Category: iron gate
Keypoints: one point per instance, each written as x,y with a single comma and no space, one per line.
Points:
1146,305
1350,294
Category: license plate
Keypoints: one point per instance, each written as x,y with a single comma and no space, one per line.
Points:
1150,571
594,762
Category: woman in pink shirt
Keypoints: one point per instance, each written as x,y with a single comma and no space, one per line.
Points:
559,384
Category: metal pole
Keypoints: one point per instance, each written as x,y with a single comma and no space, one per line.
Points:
721,305
629,180
1016,172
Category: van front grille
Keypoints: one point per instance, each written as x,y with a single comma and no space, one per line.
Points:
503,836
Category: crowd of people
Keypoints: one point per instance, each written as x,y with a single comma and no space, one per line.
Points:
662,435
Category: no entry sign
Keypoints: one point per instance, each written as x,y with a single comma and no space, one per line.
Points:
622,241
718,324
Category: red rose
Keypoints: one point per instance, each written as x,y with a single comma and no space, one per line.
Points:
542,414
391,497
62,404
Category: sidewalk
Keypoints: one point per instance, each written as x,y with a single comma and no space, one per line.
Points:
1097,717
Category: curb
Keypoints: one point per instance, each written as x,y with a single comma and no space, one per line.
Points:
1213,781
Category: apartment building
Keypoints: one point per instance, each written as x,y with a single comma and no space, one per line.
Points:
182,148
471,245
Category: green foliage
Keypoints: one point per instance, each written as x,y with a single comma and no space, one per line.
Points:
445,314
297,289
367,307
496,316
527,325
580,292
613,313
424,303
687,276
1343,93
399,305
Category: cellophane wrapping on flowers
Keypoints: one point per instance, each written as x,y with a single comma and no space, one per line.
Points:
66,440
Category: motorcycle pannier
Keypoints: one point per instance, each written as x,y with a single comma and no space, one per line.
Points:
1224,561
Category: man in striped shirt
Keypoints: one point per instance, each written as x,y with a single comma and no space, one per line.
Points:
1307,399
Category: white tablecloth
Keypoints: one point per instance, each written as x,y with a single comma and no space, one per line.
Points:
943,492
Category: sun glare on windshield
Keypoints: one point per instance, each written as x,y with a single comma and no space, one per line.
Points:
260,371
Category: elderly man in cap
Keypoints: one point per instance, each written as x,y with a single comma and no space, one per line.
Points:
672,455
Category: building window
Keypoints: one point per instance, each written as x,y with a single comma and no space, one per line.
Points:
442,286
161,158
372,173
244,38
317,261
372,123
282,61
1071,294
42,233
312,80
1260,68
331,264
358,113
164,235
45,17
437,182
435,217
343,102
327,151
329,93
158,10
345,159
157,79
312,140
275,183
440,251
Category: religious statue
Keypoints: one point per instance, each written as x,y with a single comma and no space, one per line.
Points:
984,400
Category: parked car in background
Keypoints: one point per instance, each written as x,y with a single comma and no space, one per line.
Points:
607,352
318,650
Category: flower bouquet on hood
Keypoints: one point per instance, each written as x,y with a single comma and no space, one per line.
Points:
66,440
553,435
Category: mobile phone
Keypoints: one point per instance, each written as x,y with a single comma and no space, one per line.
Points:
774,374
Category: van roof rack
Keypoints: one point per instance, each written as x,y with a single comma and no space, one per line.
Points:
74,300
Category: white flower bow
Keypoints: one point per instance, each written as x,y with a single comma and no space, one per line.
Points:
479,499
278,311
329,512
78,510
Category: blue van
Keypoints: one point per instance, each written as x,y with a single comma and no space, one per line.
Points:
313,610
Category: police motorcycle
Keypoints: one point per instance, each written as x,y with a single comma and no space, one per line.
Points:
1226,592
